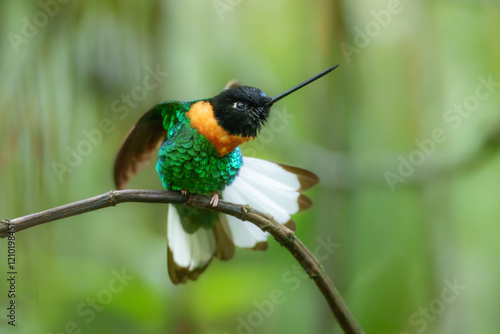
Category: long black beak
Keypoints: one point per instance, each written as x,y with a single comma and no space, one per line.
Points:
299,86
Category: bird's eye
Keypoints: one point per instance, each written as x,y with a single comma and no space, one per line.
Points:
240,105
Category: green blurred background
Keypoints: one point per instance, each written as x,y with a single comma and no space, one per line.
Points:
404,136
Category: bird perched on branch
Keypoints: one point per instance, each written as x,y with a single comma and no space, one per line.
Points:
200,153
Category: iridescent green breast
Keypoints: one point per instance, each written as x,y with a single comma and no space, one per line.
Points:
187,160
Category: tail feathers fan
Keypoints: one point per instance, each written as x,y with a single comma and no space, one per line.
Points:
265,186
223,239
271,188
189,253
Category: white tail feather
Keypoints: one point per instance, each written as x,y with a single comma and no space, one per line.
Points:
272,171
190,251
266,187
245,234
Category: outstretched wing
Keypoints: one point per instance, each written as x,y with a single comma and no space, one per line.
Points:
147,134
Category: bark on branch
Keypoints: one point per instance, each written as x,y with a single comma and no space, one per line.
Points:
281,233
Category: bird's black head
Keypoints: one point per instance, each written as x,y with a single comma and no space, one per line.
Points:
241,111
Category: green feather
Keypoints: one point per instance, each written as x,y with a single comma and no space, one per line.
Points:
187,160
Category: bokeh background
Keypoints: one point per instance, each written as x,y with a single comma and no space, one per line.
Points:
404,135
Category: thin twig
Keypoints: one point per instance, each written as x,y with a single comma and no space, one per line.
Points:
281,233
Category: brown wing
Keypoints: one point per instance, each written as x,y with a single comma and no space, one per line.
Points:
141,140
232,84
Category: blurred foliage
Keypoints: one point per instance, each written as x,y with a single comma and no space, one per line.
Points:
73,73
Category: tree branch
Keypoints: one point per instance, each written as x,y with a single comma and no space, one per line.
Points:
281,233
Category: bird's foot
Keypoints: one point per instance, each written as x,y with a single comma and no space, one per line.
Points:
185,192
214,200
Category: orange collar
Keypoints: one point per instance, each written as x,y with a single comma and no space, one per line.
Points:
202,119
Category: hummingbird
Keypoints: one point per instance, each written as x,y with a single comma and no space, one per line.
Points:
199,153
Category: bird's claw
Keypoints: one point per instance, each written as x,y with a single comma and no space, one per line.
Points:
214,200
184,192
